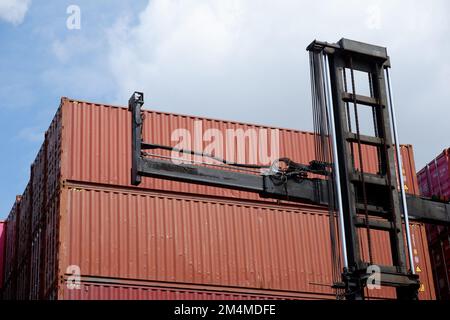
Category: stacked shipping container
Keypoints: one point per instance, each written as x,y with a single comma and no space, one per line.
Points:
2,251
92,235
434,181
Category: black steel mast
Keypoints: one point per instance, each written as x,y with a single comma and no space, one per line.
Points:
367,201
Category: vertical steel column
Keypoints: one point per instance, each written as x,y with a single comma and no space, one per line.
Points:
135,104
400,171
381,203
328,102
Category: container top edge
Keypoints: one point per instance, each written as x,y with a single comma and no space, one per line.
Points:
190,116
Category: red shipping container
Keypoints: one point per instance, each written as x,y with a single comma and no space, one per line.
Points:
434,181
109,289
38,181
10,263
123,234
96,147
441,269
436,232
434,178
23,281
2,250
36,265
88,215
24,241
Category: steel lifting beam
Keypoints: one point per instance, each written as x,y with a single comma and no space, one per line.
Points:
311,191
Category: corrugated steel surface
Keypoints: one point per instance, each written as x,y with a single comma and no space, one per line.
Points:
36,265
409,169
50,248
11,248
110,289
23,281
434,181
96,147
436,233
84,212
44,252
118,233
2,250
434,178
440,257
38,180
24,233
53,138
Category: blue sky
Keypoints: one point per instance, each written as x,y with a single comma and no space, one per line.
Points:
33,78
233,59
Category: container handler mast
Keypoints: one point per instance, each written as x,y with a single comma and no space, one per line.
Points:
355,199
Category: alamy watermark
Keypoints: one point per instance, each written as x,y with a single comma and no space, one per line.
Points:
73,21
253,145
73,281
374,279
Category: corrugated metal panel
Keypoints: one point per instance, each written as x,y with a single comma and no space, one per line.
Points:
9,290
38,181
36,260
53,137
23,281
112,289
440,256
46,173
208,242
49,251
381,255
2,250
409,169
434,178
116,233
96,147
436,233
24,231
11,242
434,181
422,260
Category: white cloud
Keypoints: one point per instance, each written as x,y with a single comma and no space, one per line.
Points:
373,17
13,11
31,134
74,46
79,70
246,60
